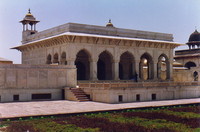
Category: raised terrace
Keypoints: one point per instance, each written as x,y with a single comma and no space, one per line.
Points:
127,91
97,30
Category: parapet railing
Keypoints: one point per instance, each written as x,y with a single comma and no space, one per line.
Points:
129,84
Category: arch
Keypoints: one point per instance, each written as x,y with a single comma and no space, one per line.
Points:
190,64
55,58
146,70
105,66
82,63
195,75
49,61
163,67
63,58
126,66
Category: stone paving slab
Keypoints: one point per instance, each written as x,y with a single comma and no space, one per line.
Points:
23,109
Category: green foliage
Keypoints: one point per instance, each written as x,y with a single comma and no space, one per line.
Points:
196,130
55,127
182,114
152,124
178,118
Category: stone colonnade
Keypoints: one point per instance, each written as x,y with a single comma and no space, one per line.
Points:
106,66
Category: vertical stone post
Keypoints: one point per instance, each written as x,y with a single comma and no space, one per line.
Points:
116,70
34,26
133,68
171,60
154,69
26,26
93,70
137,69
159,69
23,27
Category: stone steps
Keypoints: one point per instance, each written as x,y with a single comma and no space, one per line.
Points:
79,94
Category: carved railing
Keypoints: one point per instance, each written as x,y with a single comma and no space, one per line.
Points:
131,84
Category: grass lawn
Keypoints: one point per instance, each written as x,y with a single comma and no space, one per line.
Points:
163,119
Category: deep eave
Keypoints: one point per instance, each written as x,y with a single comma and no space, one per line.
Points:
70,35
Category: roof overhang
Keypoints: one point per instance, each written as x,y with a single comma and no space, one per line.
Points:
175,44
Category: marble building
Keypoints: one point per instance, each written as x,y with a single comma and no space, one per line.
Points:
108,64
99,52
190,57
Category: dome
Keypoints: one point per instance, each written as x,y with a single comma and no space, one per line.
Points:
194,37
194,40
29,16
109,24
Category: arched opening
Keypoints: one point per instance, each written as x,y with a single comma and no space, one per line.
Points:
126,66
49,59
190,64
63,59
83,65
104,66
55,58
195,74
146,67
163,67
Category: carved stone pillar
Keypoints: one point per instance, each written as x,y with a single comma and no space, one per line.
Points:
116,70
93,70
154,70
137,68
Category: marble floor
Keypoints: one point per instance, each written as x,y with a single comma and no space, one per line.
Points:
39,108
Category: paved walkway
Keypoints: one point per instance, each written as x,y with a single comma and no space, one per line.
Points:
23,109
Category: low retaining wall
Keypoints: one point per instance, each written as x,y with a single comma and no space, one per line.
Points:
119,92
25,82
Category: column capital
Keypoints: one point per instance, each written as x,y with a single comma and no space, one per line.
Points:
116,61
94,60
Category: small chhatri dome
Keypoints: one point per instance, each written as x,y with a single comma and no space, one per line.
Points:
194,37
194,40
29,16
29,21
109,24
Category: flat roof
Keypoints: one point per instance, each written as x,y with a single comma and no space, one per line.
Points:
98,30
99,36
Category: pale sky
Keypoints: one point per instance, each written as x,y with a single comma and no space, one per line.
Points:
178,17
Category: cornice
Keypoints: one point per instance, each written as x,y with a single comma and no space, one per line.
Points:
64,39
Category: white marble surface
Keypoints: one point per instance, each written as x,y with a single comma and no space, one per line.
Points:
22,109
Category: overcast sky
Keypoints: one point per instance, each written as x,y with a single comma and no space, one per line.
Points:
178,17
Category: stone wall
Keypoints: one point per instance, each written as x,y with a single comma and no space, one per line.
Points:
25,80
111,92
186,75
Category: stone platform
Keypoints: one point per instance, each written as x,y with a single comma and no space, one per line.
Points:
42,108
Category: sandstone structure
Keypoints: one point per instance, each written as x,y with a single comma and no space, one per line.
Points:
112,64
190,58
5,61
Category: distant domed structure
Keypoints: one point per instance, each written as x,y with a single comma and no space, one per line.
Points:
29,16
29,25
194,39
109,24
